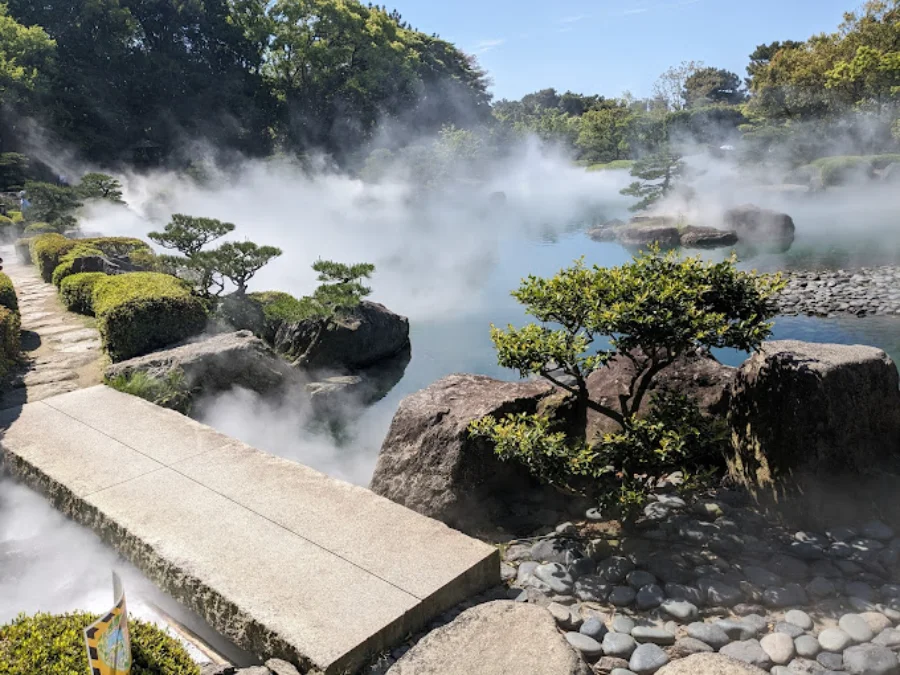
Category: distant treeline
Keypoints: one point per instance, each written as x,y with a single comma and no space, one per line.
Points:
140,82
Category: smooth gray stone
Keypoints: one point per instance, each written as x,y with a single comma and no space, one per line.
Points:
719,594
689,645
556,577
639,578
618,644
581,568
525,571
878,530
856,627
709,633
788,629
787,596
870,660
649,597
593,628
737,630
760,576
834,640
622,624
889,637
683,592
555,550
592,589
622,596
614,569
830,660
803,666
779,647
584,644
657,636
647,659
860,589
820,587
622,671
757,622
680,609
807,646
799,618
748,651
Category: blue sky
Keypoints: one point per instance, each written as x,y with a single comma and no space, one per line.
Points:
607,46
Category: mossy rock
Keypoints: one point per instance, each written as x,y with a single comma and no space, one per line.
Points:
68,263
280,308
77,291
54,645
139,312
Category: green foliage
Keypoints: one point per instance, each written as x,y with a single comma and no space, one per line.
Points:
46,251
840,170
8,297
10,345
24,53
142,311
281,308
895,130
657,174
651,311
341,288
170,392
40,228
616,165
100,186
77,291
13,168
240,261
605,134
51,203
67,261
54,645
708,85
189,234
16,216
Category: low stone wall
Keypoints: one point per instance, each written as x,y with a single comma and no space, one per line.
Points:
863,292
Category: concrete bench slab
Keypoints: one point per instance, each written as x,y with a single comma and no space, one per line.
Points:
281,559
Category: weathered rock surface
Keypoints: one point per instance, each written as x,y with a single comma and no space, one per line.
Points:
694,236
709,664
698,376
216,363
814,408
431,464
753,224
369,334
496,638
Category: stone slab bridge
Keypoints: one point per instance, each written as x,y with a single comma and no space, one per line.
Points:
284,561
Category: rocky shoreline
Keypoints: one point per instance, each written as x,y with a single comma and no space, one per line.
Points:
862,292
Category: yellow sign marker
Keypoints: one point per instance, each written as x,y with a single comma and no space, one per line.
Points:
107,639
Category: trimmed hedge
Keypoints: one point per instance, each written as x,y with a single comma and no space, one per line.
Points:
10,344
77,291
64,269
54,645
8,297
142,311
46,251
16,216
41,228
280,308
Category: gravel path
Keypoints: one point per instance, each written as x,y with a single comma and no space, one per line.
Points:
62,350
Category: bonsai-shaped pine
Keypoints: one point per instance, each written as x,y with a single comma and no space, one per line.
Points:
240,261
657,174
188,235
100,186
651,311
340,292
53,204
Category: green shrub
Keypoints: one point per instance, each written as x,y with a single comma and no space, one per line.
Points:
280,308
842,169
120,247
77,291
16,216
617,164
10,344
8,297
47,250
169,392
67,262
54,645
142,311
41,228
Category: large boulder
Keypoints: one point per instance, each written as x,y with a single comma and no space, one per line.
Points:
698,376
496,638
823,418
429,463
752,224
215,364
694,236
368,334
709,664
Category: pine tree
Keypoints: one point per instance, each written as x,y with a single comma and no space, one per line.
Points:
657,174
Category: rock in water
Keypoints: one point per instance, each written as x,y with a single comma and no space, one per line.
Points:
753,224
496,638
850,399
694,236
709,664
215,364
430,463
367,335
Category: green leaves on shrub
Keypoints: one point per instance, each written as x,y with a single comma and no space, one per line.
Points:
54,645
100,186
10,344
46,251
142,311
8,297
281,308
77,291
67,261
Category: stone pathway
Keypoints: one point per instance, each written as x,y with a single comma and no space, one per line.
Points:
61,349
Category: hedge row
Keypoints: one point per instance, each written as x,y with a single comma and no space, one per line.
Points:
10,324
77,291
142,311
48,250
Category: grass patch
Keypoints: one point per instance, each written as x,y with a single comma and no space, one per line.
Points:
615,165
170,392
142,311
49,644
280,308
